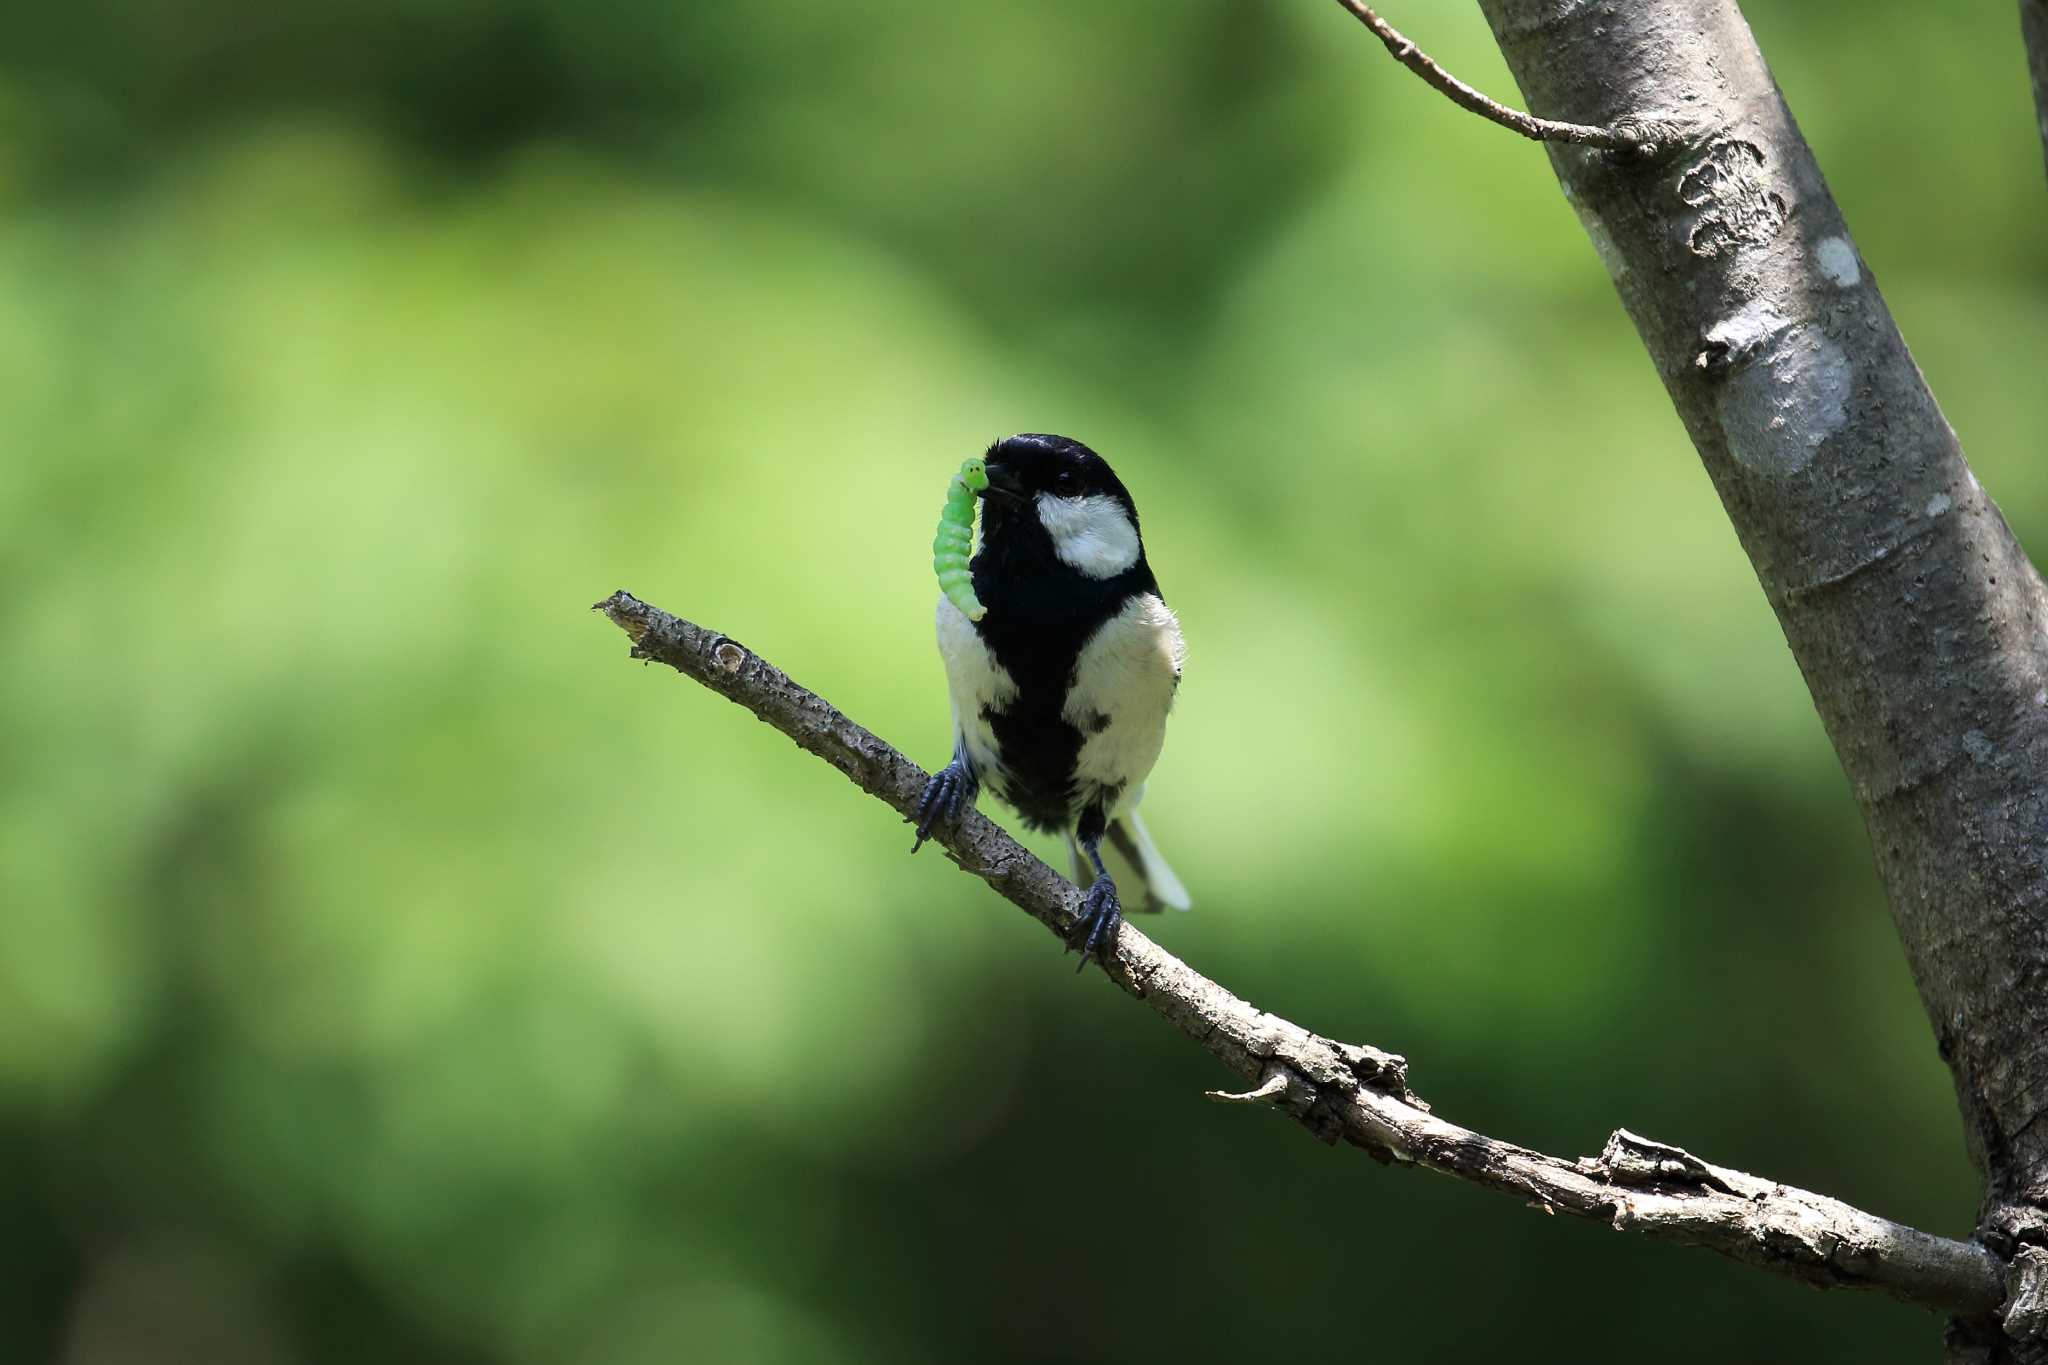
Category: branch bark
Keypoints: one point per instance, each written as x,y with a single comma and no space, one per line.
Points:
1404,51
1355,1093
1913,613
2034,32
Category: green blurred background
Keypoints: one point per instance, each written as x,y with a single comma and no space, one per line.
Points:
393,973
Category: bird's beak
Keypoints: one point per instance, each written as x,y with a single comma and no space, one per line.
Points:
1002,482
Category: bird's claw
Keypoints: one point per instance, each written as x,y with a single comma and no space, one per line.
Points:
950,789
1101,912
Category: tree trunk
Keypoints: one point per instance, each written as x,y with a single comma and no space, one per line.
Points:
1913,613
2034,32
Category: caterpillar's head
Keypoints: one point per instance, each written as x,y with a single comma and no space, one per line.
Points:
1054,495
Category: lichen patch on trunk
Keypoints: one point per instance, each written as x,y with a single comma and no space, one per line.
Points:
1786,388
1733,201
1837,260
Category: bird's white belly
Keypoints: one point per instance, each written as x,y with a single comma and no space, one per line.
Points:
977,684
1124,684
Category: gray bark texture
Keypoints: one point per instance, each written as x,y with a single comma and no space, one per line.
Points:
1358,1094
2034,32
1914,615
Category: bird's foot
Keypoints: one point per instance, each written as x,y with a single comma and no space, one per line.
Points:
950,790
1101,911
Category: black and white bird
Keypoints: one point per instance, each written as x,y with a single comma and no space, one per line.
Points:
1060,692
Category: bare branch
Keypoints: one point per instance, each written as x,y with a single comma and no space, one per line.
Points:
2034,30
1466,97
1355,1093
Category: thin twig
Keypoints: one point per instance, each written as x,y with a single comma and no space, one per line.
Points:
1465,97
1273,1088
1352,1092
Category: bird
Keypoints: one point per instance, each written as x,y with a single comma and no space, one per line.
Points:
1061,689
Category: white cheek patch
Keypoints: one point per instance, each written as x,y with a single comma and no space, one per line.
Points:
1092,535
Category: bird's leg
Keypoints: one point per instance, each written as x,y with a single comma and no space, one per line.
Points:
1100,908
951,790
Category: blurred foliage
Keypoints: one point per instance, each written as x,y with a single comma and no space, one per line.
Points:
394,974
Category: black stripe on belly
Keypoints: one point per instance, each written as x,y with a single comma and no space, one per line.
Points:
1039,751
1040,614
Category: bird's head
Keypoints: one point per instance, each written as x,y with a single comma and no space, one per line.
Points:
1054,497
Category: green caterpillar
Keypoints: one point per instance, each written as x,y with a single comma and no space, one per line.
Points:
955,538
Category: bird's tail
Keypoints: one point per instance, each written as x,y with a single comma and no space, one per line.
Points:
1133,862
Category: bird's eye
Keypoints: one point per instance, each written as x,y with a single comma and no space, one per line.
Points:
1067,484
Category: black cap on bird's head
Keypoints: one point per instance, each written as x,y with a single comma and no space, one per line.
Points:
1031,463
1052,501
